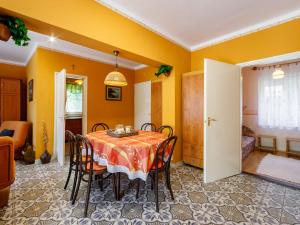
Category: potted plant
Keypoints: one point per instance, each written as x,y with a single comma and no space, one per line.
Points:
15,27
46,156
164,69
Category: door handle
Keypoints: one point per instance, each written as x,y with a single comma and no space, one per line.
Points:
209,120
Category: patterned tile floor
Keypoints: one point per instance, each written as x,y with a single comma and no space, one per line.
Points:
38,197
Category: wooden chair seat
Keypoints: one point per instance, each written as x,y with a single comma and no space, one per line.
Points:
96,167
160,164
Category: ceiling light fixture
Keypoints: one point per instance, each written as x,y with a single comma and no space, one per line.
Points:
278,73
79,82
115,78
52,39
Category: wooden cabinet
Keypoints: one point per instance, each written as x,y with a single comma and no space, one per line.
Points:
74,125
10,100
192,118
156,103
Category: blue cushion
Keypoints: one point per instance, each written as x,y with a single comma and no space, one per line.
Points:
7,132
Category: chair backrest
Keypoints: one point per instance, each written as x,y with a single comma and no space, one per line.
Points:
166,127
146,125
165,151
71,140
103,125
85,153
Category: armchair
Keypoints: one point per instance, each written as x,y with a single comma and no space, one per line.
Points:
7,168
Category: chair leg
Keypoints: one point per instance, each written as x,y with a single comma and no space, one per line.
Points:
74,183
115,186
169,183
137,188
100,181
69,175
152,181
87,200
77,188
156,192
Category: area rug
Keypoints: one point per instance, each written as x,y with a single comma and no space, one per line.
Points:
280,167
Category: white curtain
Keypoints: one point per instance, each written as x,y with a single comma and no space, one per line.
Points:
279,99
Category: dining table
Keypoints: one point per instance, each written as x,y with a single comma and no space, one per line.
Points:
133,155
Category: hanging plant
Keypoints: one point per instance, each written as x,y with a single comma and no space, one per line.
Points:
15,27
164,69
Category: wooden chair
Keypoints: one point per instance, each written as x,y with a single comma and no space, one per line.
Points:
103,125
71,140
162,163
146,125
166,127
87,167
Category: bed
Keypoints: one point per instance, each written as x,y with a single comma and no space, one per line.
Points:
248,141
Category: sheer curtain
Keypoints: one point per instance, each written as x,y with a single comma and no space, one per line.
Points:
74,99
279,100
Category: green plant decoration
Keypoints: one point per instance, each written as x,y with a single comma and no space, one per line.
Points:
164,69
17,28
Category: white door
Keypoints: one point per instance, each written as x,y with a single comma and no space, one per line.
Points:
222,115
142,104
59,117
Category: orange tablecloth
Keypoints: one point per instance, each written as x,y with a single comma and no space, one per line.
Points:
131,155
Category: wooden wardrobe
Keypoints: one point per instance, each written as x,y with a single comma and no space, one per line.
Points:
10,100
192,118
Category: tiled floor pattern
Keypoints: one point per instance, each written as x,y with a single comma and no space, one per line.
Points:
38,197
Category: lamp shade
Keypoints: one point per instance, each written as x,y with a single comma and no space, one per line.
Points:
278,73
115,78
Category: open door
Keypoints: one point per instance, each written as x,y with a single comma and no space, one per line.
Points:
142,104
222,115
59,116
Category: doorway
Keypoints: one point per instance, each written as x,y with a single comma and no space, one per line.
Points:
271,144
70,109
147,103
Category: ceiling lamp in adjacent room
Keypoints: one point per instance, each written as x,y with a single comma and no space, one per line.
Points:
115,78
278,73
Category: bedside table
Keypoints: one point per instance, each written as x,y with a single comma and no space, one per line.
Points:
272,149
289,151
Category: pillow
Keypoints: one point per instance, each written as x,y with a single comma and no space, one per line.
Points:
7,132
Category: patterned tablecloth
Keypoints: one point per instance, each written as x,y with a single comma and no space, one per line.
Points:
131,155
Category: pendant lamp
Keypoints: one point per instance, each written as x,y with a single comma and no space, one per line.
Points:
115,78
278,73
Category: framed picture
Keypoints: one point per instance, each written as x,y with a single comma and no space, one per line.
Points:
113,93
30,90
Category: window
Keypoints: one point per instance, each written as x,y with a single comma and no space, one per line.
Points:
279,99
74,99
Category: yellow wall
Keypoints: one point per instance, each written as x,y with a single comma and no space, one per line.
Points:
146,74
31,72
13,71
281,39
101,28
99,110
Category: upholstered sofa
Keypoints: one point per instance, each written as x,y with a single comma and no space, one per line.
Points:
7,168
21,129
248,141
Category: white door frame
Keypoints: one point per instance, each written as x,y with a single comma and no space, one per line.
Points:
84,108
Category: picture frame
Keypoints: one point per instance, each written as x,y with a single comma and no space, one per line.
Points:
113,93
30,90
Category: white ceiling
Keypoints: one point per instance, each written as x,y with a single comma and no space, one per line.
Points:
195,24
12,54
